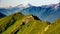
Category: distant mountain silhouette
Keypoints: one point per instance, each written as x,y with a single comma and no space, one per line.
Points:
2,15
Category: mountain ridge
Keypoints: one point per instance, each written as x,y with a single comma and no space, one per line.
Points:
20,24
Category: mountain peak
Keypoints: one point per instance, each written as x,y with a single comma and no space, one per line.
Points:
57,5
24,5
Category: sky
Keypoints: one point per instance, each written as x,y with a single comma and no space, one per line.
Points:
7,3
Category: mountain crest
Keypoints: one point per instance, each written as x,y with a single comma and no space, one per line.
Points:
24,5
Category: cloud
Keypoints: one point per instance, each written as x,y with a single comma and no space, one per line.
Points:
33,2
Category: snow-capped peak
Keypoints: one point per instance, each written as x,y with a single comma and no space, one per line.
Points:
23,5
57,5
26,5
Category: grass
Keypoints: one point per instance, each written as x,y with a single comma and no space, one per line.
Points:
20,24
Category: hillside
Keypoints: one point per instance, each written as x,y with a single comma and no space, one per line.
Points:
20,24
55,28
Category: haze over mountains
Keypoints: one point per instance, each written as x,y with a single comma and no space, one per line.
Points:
46,13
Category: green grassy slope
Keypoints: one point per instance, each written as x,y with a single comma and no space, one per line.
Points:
20,24
54,28
8,21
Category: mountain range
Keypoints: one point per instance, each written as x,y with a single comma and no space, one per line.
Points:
46,13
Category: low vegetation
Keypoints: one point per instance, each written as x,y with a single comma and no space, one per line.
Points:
20,24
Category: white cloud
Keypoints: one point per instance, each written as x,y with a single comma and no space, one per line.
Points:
33,2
